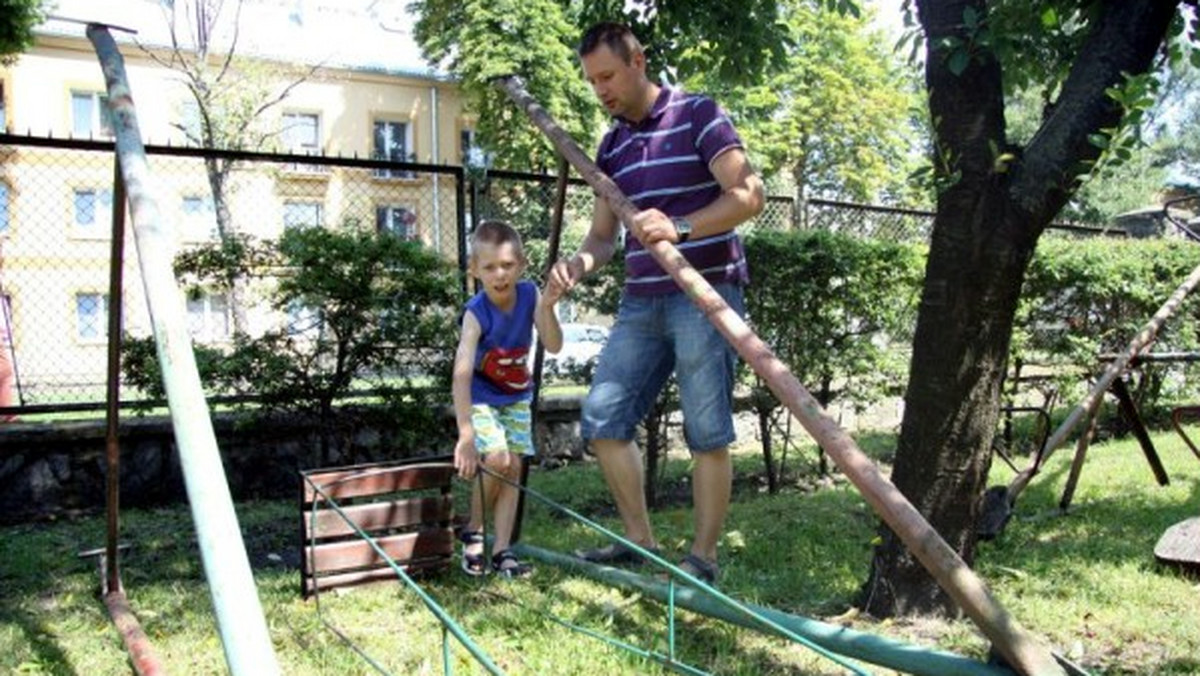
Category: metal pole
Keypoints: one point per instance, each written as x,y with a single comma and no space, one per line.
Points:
243,628
1020,648
539,355
113,391
884,652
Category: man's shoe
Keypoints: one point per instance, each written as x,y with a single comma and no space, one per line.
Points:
614,553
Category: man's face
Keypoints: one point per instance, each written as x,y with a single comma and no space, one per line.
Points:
617,84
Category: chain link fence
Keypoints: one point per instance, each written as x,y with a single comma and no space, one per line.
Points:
906,225
56,208
57,201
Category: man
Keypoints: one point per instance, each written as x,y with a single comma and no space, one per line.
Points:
679,159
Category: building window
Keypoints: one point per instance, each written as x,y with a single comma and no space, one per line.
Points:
89,115
93,208
208,318
199,217
302,215
303,319
302,133
397,220
91,316
3,208
392,143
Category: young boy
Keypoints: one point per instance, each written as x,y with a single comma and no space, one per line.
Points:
493,387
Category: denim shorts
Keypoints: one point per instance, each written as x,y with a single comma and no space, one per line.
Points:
653,337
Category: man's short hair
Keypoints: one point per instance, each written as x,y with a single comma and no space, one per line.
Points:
496,233
615,36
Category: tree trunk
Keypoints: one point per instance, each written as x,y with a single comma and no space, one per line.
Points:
218,174
994,203
952,403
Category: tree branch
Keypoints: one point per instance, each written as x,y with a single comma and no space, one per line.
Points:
1124,41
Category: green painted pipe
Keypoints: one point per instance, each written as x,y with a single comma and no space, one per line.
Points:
240,618
859,645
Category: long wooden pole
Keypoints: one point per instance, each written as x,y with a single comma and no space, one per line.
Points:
1114,370
1022,650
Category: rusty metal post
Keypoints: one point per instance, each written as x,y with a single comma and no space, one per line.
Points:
112,444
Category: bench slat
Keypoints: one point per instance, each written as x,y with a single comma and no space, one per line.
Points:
357,482
314,584
336,556
376,516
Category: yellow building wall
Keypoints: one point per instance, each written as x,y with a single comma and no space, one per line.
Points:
48,260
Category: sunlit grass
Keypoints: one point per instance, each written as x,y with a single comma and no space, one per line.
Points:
1086,582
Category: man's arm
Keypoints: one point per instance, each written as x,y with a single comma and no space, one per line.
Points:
741,199
741,196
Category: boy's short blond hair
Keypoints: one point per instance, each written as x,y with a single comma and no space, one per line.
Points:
496,233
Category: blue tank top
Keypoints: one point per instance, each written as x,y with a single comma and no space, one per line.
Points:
503,358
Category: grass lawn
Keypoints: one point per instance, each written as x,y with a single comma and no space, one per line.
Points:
1087,582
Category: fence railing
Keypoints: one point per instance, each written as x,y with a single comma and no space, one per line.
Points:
55,229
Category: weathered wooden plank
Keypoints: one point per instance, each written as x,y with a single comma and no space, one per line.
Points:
337,556
358,482
314,584
403,513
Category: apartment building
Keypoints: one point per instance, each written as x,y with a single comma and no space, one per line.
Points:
371,96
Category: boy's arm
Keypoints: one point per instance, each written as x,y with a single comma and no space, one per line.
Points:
597,249
546,321
466,458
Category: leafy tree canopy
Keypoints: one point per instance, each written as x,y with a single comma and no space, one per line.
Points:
17,19
839,119
478,41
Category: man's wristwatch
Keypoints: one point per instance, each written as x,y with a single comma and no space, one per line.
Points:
683,228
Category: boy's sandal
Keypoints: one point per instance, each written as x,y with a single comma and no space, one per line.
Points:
614,553
472,564
506,564
705,571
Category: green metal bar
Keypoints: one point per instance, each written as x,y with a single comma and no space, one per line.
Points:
668,661
877,650
440,613
671,616
240,619
738,608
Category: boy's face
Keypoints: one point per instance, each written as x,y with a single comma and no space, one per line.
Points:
498,267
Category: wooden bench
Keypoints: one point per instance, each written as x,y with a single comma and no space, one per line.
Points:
406,507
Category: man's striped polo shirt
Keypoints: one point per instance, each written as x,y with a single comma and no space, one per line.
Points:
663,163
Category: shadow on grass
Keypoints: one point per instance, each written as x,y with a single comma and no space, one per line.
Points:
1104,524
48,655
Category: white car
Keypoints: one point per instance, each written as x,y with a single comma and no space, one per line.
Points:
581,347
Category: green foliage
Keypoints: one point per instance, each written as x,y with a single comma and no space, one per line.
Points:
834,308
480,41
836,120
17,20
370,311
1086,297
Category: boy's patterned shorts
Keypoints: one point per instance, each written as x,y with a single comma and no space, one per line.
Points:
503,428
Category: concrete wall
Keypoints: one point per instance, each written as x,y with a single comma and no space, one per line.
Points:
49,470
